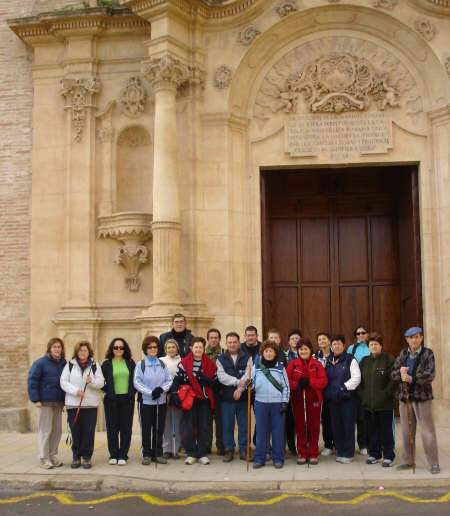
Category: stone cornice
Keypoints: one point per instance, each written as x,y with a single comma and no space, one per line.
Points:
54,26
440,115
433,6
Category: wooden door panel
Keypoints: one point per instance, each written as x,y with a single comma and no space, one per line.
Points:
387,316
354,309
384,249
284,249
315,250
352,247
316,310
285,309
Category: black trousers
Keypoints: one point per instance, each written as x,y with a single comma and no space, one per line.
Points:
327,431
381,436
343,419
153,419
290,429
362,436
83,431
195,429
119,414
215,419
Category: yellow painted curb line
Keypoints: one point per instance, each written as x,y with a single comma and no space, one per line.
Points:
67,499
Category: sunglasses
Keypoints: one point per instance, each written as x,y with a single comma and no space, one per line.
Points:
152,347
118,348
361,333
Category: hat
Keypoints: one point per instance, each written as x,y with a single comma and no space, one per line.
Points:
413,331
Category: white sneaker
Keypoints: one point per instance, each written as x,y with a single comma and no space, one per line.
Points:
204,460
121,462
326,452
112,462
344,460
190,460
45,464
363,451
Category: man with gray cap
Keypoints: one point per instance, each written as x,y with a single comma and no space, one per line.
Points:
414,369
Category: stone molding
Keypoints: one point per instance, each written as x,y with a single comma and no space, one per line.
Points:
447,65
133,97
79,95
222,77
385,4
165,72
433,6
162,224
424,27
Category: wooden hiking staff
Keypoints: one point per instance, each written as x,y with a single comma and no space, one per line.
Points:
405,386
249,415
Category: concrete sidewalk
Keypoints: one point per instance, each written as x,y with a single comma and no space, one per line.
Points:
19,469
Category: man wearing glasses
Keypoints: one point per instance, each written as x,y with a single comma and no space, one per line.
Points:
180,333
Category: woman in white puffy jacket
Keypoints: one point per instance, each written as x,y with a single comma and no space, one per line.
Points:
82,380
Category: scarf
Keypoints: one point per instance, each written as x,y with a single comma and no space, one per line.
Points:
269,363
208,369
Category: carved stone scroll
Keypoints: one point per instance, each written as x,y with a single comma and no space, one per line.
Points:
248,35
133,97
285,8
425,28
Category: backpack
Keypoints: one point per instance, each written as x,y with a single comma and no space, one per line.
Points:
93,367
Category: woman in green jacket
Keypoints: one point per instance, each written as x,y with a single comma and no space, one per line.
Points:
376,392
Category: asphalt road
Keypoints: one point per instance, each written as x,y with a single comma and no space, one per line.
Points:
403,502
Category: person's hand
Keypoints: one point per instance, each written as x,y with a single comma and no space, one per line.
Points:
406,378
404,370
88,380
237,394
283,408
242,383
203,380
156,393
38,404
303,383
80,393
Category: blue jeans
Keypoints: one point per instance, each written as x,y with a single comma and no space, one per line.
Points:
343,422
269,419
232,411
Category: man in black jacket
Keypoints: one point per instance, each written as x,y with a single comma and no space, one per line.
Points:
180,333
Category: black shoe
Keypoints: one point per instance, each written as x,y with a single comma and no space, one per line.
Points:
86,463
167,455
146,461
76,463
159,460
228,456
258,465
278,465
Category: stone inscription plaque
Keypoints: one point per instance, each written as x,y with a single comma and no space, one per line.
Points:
338,137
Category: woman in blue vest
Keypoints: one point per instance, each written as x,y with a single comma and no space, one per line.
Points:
231,368
118,371
271,386
45,392
344,377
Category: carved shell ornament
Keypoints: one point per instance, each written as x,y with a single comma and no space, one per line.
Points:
133,97
338,83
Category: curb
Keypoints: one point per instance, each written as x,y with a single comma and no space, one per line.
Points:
126,484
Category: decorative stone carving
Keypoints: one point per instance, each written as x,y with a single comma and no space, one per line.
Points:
286,7
447,66
336,83
222,77
165,72
384,4
79,96
248,35
134,136
334,74
133,97
425,28
105,134
132,230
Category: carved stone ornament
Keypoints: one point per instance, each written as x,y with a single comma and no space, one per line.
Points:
222,77
133,97
132,230
134,136
79,96
385,4
165,72
105,134
286,8
337,83
425,28
447,66
248,35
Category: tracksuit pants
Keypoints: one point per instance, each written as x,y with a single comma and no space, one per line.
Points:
381,437
83,431
343,421
269,420
153,418
172,437
290,428
119,414
327,431
195,429
307,435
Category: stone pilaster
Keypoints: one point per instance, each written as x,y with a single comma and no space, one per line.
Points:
165,75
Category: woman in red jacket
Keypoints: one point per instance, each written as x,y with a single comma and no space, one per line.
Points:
307,379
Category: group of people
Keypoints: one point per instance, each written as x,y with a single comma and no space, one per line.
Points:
190,389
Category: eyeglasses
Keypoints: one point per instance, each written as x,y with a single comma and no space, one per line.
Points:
361,333
152,347
118,348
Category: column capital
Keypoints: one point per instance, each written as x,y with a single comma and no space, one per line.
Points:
165,72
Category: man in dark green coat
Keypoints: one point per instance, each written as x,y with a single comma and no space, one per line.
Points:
376,392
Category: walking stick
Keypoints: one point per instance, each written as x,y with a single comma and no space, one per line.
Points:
174,440
69,439
306,424
410,424
156,437
249,415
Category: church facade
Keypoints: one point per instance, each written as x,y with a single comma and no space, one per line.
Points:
272,162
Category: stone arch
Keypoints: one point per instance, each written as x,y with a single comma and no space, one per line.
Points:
133,175
415,51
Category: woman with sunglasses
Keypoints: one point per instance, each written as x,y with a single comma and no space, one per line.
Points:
118,371
152,380
359,350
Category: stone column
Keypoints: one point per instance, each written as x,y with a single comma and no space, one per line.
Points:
165,75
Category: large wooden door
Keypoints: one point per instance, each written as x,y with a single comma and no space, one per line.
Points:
331,252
